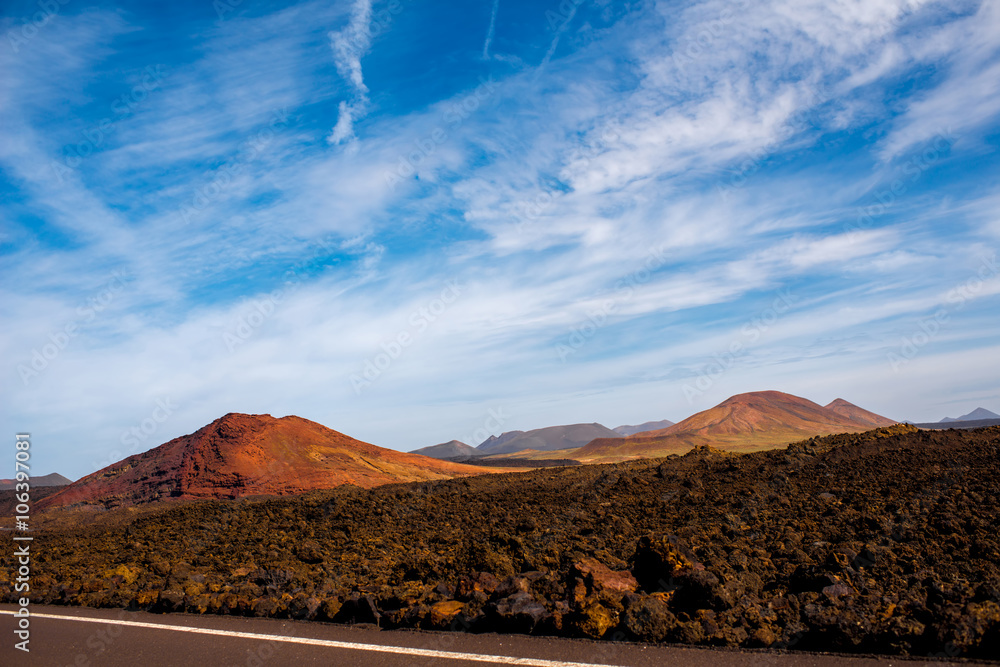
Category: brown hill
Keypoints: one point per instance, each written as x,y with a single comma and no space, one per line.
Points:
550,438
453,449
627,430
53,479
243,455
745,422
496,440
859,415
979,414
758,412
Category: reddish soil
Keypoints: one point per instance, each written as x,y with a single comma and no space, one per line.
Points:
859,415
760,411
245,455
744,422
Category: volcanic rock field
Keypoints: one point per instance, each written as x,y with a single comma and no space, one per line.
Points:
880,542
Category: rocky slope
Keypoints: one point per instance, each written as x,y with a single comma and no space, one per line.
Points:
882,542
494,441
242,455
745,422
859,415
453,449
551,438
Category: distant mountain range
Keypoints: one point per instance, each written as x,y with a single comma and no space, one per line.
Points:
453,449
494,441
642,428
976,415
748,421
55,479
243,455
547,439
745,422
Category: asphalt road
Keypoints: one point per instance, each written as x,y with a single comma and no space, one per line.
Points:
63,636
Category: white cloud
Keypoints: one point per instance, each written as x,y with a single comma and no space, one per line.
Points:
839,249
965,100
344,129
489,32
349,46
540,200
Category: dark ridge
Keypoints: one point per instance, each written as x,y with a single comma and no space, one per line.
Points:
52,479
976,423
8,499
516,463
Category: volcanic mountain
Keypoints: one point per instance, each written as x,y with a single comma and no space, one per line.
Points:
642,428
859,415
495,441
54,479
975,415
453,449
745,422
242,455
547,439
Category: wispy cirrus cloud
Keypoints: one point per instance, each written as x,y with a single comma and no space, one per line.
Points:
349,46
965,100
491,29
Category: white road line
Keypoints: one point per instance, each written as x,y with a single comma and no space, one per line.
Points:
402,650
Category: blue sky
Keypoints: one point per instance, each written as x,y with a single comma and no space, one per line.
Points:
403,219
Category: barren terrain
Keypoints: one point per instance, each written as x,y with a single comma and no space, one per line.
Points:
882,542
242,455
